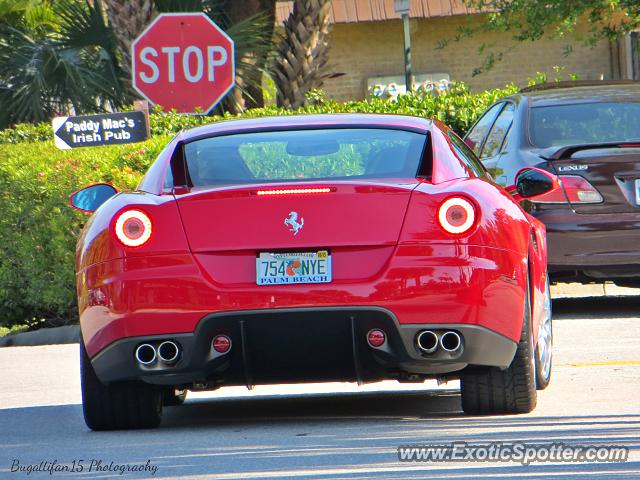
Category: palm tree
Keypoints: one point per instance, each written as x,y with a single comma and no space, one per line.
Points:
54,57
301,64
239,11
128,18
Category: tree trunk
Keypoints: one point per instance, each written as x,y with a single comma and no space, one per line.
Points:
239,10
128,18
303,52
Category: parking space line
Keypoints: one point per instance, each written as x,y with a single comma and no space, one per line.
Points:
601,364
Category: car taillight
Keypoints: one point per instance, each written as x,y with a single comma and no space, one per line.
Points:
574,188
294,191
457,215
579,190
133,228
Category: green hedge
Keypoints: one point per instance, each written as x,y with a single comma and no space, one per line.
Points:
38,230
458,108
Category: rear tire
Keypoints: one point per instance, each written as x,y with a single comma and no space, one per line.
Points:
544,347
118,406
508,391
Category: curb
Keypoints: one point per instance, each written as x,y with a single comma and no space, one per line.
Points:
45,336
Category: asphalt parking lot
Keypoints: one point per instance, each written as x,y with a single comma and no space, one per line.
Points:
334,430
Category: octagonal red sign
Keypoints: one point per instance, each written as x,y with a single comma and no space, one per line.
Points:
183,61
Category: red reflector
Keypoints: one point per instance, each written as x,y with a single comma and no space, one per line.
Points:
221,343
293,191
376,338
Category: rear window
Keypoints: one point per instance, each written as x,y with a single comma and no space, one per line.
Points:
584,123
302,155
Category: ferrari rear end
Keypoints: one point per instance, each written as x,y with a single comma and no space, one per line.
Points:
350,249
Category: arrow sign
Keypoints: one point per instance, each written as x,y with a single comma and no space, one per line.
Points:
96,130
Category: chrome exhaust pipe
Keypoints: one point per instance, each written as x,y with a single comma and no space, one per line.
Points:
169,351
146,354
451,341
427,341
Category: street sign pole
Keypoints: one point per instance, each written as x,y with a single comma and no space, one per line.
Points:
408,74
402,8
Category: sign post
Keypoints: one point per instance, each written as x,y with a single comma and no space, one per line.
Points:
183,62
402,8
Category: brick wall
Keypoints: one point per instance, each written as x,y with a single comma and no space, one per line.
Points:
370,49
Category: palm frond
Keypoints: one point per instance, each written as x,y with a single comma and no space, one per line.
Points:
69,68
83,24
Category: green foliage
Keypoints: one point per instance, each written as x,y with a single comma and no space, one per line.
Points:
530,20
54,56
458,108
4,331
38,231
533,19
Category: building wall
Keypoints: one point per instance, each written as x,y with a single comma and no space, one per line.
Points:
371,49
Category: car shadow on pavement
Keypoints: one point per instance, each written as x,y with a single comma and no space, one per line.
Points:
596,307
347,435
329,406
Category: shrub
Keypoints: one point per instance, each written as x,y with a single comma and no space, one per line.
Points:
38,231
458,108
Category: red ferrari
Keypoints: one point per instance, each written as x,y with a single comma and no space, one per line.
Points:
351,248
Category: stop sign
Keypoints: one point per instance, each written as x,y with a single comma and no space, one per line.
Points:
183,62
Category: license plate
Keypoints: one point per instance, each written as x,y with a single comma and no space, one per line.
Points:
293,268
638,191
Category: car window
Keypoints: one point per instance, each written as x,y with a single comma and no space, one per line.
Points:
477,134
584,123
467,156
300,155
498,132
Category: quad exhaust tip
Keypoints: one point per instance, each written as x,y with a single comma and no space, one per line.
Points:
451,342
427,341
168,351
146,354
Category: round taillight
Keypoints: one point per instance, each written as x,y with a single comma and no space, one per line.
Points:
457,215
221,343
133,228
376,338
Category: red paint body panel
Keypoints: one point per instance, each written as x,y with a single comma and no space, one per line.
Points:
437,283
387,247
236,218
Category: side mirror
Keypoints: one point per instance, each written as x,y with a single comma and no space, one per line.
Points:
90,198
532,182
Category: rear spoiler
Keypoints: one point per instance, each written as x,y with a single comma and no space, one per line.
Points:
568,151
